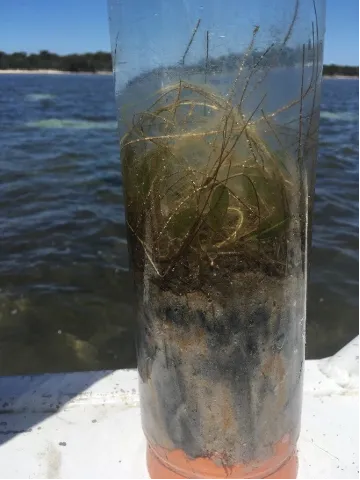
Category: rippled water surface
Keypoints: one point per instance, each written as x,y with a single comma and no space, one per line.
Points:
65,294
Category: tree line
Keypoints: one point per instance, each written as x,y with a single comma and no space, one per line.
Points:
346,70
45,60
101,62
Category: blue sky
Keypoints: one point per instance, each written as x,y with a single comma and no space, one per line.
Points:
75,26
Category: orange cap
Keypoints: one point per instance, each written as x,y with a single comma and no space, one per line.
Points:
163,463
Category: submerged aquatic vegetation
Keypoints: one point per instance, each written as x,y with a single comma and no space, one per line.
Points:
209,185
206,181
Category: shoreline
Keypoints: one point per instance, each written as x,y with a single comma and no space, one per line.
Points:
61,72
49,72
341,77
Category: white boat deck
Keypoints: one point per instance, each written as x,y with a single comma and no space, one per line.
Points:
87,425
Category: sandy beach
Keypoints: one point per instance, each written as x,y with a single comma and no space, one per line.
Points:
50,72
341,77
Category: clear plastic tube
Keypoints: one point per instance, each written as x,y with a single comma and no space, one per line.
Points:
218,109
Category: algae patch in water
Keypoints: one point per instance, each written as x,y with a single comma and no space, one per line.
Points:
72,124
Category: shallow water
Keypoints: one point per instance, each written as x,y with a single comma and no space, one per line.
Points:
66,298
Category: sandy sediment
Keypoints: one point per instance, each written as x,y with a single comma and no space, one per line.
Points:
222,377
